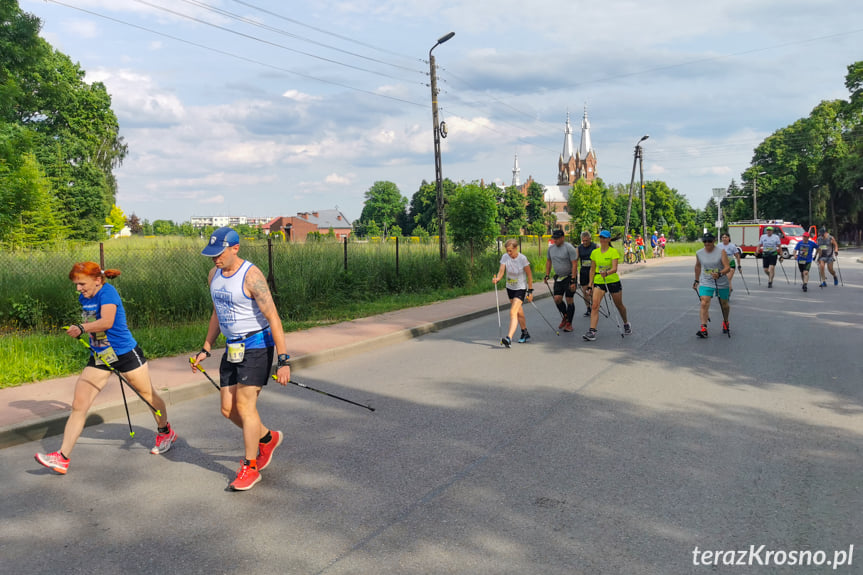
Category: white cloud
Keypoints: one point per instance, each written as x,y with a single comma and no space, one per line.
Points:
82,28
220,199
338,179
298,96
136,98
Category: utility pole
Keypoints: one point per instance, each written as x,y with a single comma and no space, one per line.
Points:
636,158
437,159
755,195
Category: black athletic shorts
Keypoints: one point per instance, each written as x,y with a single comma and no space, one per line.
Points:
804,266
613,287
768,260
129,361
253,370
516,293
563,286
584,275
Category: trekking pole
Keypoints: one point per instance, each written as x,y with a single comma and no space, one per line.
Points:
744,280
605,313
126,405
304,386
698,295
757,272
122,379
838,269
781,265
557,332
616,315
497,302
202,370
551,293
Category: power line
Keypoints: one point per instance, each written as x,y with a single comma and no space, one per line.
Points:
252,22
261,40
236,56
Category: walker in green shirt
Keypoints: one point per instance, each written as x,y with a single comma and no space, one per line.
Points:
603,264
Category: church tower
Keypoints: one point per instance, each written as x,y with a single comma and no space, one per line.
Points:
575,164
516,181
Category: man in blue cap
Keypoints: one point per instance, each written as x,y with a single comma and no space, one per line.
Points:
244,311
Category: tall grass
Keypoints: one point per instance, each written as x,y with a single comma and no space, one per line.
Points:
164,289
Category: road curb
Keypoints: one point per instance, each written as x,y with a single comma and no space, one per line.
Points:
39,429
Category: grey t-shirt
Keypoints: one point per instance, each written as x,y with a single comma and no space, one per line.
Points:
711,263
562,257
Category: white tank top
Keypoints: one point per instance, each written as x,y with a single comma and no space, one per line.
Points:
238,313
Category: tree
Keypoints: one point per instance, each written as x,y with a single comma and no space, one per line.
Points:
423,205
535,208
512,211
585,204
384,204
28,212
116,219
134,223
164,228
472,218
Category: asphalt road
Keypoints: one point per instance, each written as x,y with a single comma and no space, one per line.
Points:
620,456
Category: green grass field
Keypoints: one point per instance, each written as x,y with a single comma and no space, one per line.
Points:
164,290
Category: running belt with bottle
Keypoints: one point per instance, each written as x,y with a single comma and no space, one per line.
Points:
711,263
240,319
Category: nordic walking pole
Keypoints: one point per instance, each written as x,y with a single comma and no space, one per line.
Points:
202,370
699,300
497,302
757,271
557,332
126,405
122,379
744,280
551,293
616,315
783,269
838,269
304,386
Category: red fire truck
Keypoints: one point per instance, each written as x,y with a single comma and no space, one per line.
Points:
747,233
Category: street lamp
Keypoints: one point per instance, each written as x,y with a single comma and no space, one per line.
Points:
755,195
437,134
638,158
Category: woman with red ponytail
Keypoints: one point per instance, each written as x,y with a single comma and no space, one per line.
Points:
111,343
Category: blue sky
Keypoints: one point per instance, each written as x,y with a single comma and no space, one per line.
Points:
306,104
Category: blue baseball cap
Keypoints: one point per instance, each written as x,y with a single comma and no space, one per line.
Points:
605,234
219,240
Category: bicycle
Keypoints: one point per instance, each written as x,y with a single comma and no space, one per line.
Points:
629,256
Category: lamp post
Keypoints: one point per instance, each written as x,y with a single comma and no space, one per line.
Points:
755,195
437,163
635,160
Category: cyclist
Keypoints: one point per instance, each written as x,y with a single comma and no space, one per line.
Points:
733,257
641,253
769,245
805,252
629,254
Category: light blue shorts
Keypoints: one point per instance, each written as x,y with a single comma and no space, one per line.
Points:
706,291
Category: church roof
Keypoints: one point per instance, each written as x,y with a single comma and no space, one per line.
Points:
585,146
555,193
568,148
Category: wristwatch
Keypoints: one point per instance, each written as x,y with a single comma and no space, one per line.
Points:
283,360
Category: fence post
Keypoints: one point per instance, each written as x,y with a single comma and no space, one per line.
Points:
101,256
397,256
271,277
471,253
539,244
346,253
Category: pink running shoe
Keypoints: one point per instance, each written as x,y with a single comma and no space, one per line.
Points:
247,477
265,450
54,461
164,441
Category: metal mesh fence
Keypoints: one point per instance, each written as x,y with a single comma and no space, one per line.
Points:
163,281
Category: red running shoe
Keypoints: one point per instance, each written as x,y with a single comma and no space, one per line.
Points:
54,461
265,450
164,441
247,477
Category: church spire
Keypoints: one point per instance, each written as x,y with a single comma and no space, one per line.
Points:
568,149
585,147
515,171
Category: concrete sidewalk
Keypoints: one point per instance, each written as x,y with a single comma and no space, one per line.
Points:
31,412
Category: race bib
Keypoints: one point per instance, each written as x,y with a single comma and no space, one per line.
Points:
585,263
106,356
236,352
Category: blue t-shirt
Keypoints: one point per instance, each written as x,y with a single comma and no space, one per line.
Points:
806,251
118,335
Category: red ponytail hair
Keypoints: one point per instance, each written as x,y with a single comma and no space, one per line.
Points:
91,269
